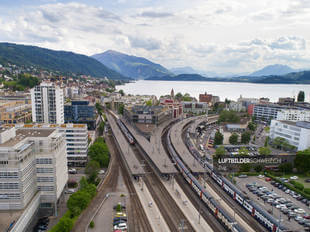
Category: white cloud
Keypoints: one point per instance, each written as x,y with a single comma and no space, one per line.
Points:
213,35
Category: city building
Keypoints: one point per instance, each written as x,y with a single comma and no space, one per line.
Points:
47,104
195,107
208,98
267,111
80,112
294,115
147,114
246,102
174,105
33,172
289,101
236,106
296,133
17,111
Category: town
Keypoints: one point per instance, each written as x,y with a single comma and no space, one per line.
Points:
79,155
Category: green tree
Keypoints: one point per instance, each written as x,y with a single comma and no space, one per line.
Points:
220,151
301,96
218,138
302,161
121,92
121,108
148,103
252,126
264,151
101,127
65,224
266,141
99,152
187,97
245,137
99,108
243,151
229,116
233,139
92,170
286,168
78,201
245,167
258,168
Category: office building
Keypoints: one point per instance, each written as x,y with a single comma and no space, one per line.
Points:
195,107
80,112
267,111
296,133
47,104
17,111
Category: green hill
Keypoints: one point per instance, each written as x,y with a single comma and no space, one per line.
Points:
65,62
131,66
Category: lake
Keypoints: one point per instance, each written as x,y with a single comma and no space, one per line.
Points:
230,90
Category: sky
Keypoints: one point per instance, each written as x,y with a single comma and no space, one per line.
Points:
223,36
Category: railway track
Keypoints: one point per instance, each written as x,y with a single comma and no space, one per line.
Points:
193,197
138,221
236,207
173,215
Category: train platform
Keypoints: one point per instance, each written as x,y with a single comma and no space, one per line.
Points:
154,149
189,210
196,123
180,147
127,153
152,211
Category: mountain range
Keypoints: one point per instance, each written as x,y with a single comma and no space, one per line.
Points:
276,69
64,62
131,66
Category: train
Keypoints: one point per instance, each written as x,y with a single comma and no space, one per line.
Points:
123,128
206,197
254,210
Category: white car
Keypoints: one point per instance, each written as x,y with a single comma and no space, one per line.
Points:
261,176
287,191
280,206
299,211
294,177
121,226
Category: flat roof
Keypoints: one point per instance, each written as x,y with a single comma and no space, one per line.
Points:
302,124
21,134
127,153
154,149
180,147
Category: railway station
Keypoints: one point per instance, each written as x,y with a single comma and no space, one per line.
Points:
154,151
132,163
181,149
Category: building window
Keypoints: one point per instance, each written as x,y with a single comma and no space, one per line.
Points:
44,161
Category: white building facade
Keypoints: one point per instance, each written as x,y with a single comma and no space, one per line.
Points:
294,115
296,133
47,104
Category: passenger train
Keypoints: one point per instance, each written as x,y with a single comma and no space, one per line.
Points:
123,128
252,208
211,203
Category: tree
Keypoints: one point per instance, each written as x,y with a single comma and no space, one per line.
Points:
266,141
264,151
99,151
301,96
220,151
252,126
245,137
302,161
286,168
148,103
121,92
233,139
65,224
92,170
258,168
229,116
121,109
243,151
101,127
218,138
78,201
245,167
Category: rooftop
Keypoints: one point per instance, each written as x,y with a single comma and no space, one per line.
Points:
21,134
301,124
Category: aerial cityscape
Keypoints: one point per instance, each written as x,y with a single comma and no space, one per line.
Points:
154,116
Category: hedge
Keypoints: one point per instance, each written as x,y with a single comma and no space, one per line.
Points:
304,193
307,190
297,185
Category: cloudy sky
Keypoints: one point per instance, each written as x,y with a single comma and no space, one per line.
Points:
225,36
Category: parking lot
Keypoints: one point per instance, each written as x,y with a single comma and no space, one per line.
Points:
277,202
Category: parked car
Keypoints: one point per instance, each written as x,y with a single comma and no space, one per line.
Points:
268,179
72,171
243,176
121,226
307,180
294,177
299,211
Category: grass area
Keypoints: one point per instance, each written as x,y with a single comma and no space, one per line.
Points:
267,129
301,179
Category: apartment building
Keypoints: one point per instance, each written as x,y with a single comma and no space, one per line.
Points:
195,107
296,133
294,115
47,104
267,111
17,111
33,171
